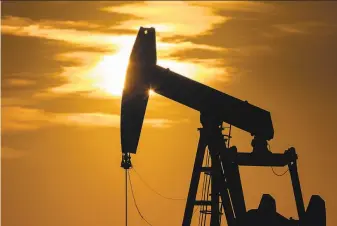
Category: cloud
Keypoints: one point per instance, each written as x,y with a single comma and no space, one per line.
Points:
287,28
167,17
252,50
13,101
90,119
202,70
21,21
301,28
107,120
69,24
83,38
16,118
167,49
238,6
20,82
159,123
11,153
64,11
54,30
102,74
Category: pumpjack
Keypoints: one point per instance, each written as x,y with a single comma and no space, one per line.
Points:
215,108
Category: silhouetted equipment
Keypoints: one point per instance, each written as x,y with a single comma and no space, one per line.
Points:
215,107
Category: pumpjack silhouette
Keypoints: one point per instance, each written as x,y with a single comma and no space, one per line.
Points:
216,108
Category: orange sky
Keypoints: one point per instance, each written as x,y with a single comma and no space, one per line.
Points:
63,67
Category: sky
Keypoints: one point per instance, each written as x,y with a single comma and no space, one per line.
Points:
62,74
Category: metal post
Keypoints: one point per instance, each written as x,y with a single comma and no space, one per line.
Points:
126,197
232,174
215,192
195,180
296,185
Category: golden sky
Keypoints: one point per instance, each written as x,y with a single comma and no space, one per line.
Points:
63,66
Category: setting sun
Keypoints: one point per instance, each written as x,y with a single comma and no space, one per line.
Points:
110,73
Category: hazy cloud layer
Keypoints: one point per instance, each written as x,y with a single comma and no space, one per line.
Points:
81,71
84,76
93,54
11,153
152,14
24,119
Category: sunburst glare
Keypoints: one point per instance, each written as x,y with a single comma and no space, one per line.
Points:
109,73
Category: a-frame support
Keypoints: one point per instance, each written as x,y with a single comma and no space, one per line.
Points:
225,178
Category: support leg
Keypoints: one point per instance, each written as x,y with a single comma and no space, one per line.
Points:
222,187
232,174
195,180
228,177
215,193
296,186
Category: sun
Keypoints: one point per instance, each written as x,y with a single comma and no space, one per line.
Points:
110,73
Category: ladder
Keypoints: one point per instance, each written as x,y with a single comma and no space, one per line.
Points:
205,202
